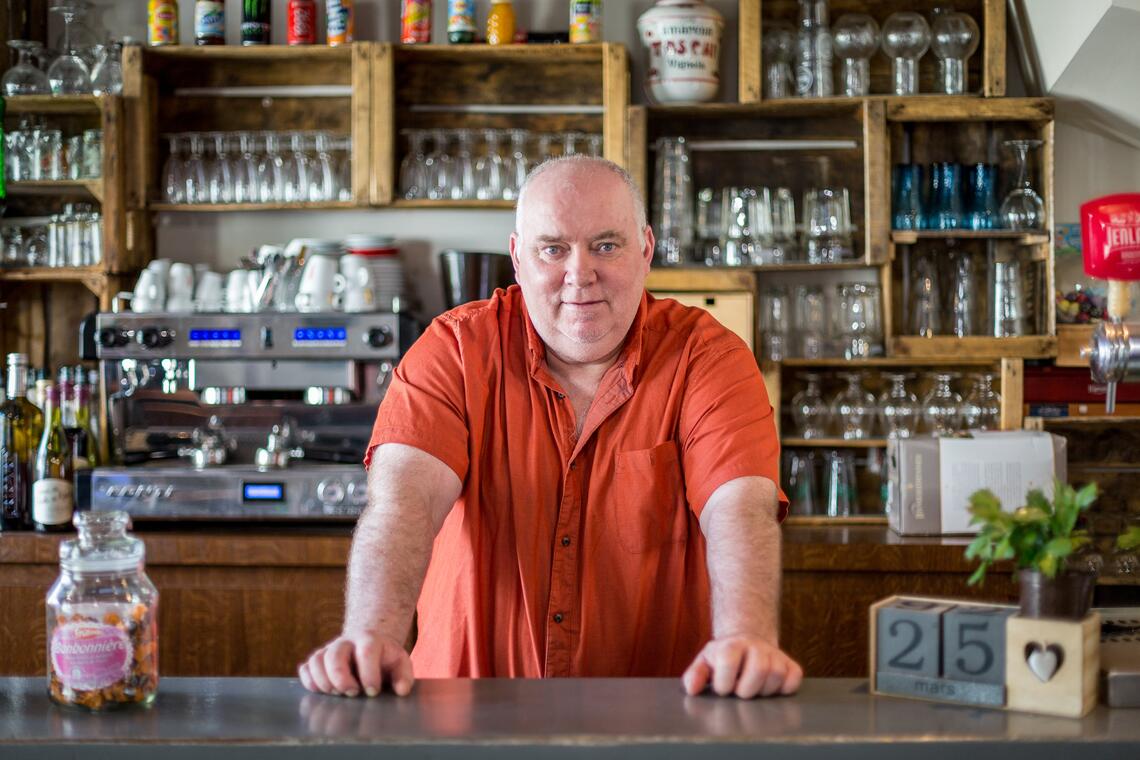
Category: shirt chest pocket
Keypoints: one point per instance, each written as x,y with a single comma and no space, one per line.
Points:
647,506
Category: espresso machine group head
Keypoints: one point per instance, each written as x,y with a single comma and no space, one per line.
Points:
252,416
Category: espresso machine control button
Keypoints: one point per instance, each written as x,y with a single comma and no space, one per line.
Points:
378,337
155,337
111,337
357,492
330,492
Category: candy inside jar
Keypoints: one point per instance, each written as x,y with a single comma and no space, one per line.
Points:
102,631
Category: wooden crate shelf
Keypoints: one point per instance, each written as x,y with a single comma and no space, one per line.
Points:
1017,237
887,362
471,203
221,208
1070,340
92,188
55,105
974,347
985,69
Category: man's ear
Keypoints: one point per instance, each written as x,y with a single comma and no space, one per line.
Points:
513,247
650,244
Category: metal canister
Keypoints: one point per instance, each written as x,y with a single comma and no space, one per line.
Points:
341,22
302,22
585,21
162,23
415,21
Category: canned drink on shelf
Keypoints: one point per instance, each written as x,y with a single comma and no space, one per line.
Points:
585,21
209,22
340,21
460,21
415,21
162,23
302,22
256,22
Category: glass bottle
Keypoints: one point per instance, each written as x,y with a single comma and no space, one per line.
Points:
53,494
813,51
855,37
982,408
906,37
21,424
501,23
810,412
86,454
898,407
854,409
942,407
102,629
954,38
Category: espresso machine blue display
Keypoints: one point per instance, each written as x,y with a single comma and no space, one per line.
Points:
256,416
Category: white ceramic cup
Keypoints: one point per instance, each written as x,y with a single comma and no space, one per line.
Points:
321,283
161,269
180,283
359,288
239,298
147,293
209,294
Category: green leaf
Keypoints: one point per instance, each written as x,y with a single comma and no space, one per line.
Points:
978,576
1129,539
1086,496
1059,547
1036,499
1048,565
1030,516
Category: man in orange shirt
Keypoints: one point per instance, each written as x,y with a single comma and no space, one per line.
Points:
571,478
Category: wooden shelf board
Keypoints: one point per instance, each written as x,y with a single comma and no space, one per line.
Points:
268,53
590,52
790,107
1070,340
976,347
50,187
216,208
820,520
698,279
966,108
834,443
428,203
53,104
908,237
889,361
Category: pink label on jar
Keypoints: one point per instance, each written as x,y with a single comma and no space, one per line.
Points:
89,656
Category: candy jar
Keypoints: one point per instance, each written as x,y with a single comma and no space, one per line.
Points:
102,632
683,39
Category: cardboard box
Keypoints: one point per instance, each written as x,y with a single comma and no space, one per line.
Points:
931,479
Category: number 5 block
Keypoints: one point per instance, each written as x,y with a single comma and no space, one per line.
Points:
973,644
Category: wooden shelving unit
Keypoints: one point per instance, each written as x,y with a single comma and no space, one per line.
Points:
222,208
910,237
834,443
90,188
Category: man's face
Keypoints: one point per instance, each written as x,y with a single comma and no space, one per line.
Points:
581,260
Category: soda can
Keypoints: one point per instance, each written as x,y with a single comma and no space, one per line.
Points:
256,22
341,22
302,22
162,23
460,21
585,21
415,21
209,22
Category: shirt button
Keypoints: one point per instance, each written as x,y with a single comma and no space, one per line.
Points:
566,540
560,396
573,464
557,617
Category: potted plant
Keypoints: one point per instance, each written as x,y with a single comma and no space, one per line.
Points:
1039,537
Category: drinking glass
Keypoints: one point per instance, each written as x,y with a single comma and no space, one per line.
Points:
926,303
1007,302
906,37
36,247
767,252
810,413
1022,208
853,409
954,38
801,482
515,166
594,145
72,158
18,153
783,243
323,177
297,168
544,152
981,409
246,183
858,324
827,225
92,154
673,202
47,155
906,197
197,190
413,165
945,207
219,178
439,167
489,175
942,407
840,494
856,38
107,76
271,171
962,299
570,143
25,78
461,181
69,74
738,208
899,411
981,209
708,225
774,323
174,171
811,321
778,49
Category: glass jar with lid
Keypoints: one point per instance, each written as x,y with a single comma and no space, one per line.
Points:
102,632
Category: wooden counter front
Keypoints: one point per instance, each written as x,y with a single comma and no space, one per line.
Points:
255,602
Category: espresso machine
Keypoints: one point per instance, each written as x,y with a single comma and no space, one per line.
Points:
240,416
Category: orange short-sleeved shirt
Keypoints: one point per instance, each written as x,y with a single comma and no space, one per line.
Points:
571,556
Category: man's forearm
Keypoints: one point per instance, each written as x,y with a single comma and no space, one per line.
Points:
743,540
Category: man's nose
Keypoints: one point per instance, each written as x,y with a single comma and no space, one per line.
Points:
580,267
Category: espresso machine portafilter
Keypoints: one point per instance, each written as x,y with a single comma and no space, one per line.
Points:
243,416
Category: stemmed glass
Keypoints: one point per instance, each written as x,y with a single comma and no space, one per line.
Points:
25,78
461,181
438,167
297,168
323,181
174,172
489,168
412,174
856,38
1022,208
594,144
218,175
107,76
898,407
69,74
954,39
343,148
854,408
942,407
906,37
515,165
245,171
271,171
982,408
194,174
810,412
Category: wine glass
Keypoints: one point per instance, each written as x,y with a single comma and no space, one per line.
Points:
982,408
438,167
245,171
906,37
174,171
856,38
343,149
942,407
69,74
515,165
107,76
322,182
854,408
810,412
954,38
489,168
462,177
25,78
197,189
271,171
898,407
219,177
1022,208
297,168
412,175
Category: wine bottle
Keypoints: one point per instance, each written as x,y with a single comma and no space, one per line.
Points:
53,494
69,414
20,426
89,448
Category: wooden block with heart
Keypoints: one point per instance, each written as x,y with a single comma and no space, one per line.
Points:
1052,666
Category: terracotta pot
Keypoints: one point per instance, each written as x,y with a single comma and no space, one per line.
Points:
1068,596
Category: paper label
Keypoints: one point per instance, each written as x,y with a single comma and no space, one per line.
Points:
89,656
53,501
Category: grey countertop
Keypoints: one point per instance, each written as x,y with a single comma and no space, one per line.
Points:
627,718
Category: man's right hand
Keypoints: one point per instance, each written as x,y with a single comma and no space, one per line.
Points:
354,663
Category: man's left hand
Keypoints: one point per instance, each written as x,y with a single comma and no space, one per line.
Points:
745,666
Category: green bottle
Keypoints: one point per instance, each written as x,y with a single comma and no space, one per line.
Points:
53,493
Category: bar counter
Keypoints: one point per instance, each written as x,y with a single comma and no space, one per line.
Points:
627,718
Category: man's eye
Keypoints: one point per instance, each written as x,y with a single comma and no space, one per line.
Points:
607,247
550,250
